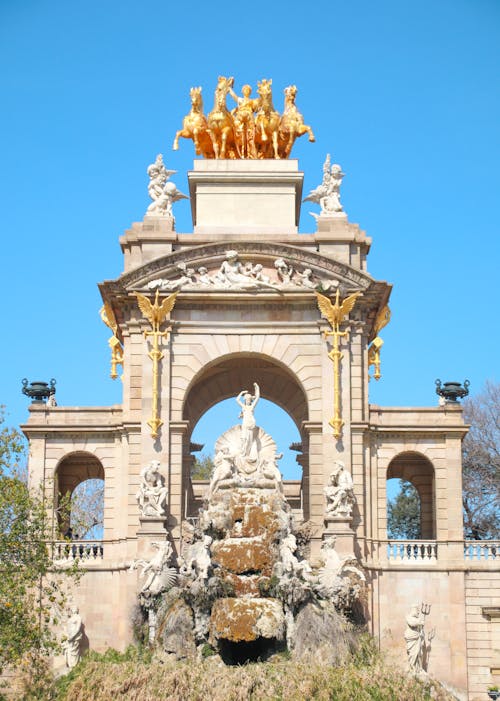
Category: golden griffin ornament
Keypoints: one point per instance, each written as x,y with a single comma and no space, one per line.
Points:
156,314
335,314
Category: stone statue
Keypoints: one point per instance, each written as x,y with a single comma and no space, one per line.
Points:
159,576
327,195
152,494
74,634
285,271
417,646
339,493
248,402
224,468
196,561
163,193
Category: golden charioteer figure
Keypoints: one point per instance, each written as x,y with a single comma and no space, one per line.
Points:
253,129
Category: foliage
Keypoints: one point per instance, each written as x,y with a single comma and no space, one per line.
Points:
481,465
203,467
403,513
31,595
99,678
87,509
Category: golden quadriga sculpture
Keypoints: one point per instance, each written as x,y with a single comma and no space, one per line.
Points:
253,129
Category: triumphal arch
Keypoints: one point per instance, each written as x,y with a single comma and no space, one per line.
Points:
246,307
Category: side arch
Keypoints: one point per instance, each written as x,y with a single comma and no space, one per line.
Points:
73,469
416,468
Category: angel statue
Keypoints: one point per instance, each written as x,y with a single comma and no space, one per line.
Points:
163,193
327,195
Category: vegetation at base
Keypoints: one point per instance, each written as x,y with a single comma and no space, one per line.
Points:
32,596
135,675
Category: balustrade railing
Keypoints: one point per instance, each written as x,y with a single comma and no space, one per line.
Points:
412,551
481,550
84,550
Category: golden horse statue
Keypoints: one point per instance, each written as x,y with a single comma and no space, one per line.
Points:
194,126
221,122
291,124
267,122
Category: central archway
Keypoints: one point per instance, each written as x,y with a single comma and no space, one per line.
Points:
225,378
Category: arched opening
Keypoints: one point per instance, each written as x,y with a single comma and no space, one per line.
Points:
272,418
284,413
79,496
415,476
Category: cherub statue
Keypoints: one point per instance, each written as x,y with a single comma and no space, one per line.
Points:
327,195
163,193
152,494
158,575
285,271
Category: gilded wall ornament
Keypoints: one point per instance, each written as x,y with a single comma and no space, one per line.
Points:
335,314
156,314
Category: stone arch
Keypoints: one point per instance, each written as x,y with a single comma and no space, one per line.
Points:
223,378
73,469
227,375
416,468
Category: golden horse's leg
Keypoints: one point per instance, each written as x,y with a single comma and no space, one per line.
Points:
275,144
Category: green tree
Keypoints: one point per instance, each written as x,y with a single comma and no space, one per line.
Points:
403,513
481,465
31,591
203,467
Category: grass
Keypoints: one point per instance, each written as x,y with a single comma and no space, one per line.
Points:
136,675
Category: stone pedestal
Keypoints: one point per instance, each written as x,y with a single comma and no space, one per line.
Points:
245,197
151,529
341,528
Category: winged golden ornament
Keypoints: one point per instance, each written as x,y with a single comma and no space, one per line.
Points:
108,317
382,319
156,314
335,314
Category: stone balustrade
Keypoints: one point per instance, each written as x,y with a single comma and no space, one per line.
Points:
482,550
82,550
412,551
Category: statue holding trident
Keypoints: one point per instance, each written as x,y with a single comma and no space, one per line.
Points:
248,402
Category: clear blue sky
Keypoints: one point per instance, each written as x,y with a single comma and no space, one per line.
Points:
403,95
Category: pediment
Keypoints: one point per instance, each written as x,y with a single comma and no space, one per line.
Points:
254,268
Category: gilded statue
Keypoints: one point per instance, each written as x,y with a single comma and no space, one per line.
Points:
195,126
291,124
244,121
253,129
221,123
